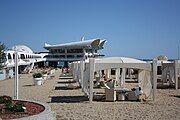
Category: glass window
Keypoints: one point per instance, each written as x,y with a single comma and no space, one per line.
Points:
9,56
79,56
74,50
88,50
70,56
22,56
62,56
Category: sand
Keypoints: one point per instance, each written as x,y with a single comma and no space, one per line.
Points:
70,104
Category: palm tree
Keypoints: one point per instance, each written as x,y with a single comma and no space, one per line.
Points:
2,55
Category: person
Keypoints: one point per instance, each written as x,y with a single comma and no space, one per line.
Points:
138,91
62,70
105,77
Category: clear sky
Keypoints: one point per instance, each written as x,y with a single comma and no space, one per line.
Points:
133,28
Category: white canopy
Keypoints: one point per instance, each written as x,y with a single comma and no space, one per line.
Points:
116,62
121,62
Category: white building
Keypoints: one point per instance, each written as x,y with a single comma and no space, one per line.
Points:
74,51
26,60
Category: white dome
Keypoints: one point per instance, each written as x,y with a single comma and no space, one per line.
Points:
22,48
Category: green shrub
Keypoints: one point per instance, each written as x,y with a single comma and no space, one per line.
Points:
7,100
37,75
18,107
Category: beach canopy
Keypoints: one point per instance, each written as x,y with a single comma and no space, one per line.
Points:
98,64
119,60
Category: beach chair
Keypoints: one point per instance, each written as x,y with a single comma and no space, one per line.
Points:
110,93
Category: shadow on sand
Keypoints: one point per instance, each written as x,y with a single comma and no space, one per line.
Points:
177,96
28,85
66,88
68,99
159,86
66,82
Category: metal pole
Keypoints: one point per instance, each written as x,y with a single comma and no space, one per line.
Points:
16,80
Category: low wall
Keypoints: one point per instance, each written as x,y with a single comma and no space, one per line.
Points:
47,114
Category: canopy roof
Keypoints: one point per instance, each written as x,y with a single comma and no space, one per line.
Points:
119,60
93,44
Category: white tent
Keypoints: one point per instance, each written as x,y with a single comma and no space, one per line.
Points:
116,62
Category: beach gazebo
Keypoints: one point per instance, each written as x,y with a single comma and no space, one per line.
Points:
171,73
145,77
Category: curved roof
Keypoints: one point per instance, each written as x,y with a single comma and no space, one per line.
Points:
93,43
119,60
22,48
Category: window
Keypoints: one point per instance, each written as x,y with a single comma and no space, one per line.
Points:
62,56
79,56
70,56
74,50
61,51
57,51
22,56
9,56
88,50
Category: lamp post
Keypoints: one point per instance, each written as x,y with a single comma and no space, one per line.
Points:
16,80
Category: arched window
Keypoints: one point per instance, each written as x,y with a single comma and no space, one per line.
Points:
22,56
9,56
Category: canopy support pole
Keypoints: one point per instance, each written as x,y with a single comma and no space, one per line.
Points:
82,74
154,79
176,73
91,67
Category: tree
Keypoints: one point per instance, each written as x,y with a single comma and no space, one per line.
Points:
2,55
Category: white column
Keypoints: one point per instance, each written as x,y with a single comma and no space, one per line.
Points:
108,73
123,74
117,75
16,80
84,52
91,73
176,67
130,73
82,74
154,79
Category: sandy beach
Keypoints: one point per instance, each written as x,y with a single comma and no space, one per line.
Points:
70,104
